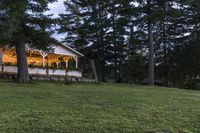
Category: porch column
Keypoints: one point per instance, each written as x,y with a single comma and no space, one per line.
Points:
43,61
66,62
57,64
76,59
44,55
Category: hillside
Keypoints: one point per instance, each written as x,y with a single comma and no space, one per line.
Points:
83,107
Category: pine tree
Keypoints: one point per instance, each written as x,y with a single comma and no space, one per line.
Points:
114,33
150,43
88,35
70,21
100,33
24,22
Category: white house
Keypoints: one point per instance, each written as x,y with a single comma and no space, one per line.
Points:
53,63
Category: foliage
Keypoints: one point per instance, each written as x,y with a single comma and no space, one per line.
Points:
9,64
110,32
96,35
24,22
134,69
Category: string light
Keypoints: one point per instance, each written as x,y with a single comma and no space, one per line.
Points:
34,58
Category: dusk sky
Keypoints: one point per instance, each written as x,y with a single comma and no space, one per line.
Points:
57,8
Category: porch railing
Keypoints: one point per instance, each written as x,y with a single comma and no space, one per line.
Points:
42,71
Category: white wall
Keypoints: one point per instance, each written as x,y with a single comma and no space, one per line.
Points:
63,51
57,72
74,74
37,71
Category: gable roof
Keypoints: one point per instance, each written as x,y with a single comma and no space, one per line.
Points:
72,50
61,45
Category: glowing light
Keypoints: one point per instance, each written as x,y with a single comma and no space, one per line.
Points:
33,58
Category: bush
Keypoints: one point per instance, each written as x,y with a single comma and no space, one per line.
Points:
191,84
9,64
197,86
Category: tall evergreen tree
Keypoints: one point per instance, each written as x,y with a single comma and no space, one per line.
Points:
70,22
150,43
115,33
24,22
101,33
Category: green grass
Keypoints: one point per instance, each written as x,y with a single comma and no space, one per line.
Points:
86,108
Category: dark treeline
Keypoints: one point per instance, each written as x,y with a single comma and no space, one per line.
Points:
131,41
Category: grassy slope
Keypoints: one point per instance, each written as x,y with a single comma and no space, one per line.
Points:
53,107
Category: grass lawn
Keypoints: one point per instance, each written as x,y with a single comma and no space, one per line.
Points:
83,108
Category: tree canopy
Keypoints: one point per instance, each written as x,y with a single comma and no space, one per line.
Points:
25,22
158,38
115,33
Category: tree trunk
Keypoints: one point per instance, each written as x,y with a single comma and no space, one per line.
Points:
114,43
101,41
151,46
166,65
94,71
22,67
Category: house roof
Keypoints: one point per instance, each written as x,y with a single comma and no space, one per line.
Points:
72,50
61,45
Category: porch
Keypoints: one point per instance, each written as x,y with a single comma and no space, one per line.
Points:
61,62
